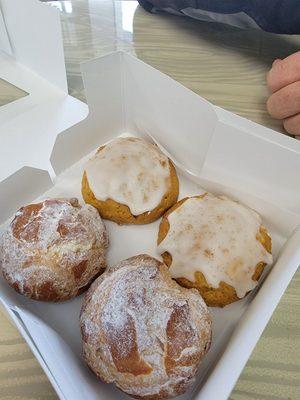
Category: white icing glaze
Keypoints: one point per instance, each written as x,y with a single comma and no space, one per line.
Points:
216,236
130,171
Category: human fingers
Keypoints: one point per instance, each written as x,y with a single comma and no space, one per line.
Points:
284,72
292,125
285,102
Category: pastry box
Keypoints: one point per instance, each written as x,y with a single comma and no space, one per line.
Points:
43,151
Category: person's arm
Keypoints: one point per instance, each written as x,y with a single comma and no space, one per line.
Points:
277,16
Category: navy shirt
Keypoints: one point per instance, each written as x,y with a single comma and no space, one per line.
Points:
277,16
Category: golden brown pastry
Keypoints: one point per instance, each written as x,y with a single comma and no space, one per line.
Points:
53,250
130,181
215,245
142,331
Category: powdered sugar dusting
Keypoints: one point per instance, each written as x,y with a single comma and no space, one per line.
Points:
56,243
126,321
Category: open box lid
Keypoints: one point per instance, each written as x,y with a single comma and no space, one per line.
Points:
32,59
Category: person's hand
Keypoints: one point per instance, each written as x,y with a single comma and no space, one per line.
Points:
284,82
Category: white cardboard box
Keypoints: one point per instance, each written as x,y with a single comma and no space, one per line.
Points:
213,150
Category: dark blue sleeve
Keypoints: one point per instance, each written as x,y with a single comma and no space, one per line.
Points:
277,16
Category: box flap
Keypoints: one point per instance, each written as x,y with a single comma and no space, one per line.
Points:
176,117
20,188
29,125
103,89
35,36
120,101
255,163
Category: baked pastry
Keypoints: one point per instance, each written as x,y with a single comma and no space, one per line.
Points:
142,331
130,181
53,250
215,245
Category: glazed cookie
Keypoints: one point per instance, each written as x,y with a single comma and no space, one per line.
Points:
215,245
142,331
53,250
130,181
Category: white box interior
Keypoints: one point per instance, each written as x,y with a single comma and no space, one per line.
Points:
213,150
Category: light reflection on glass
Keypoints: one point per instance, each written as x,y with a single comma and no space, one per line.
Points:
64,6
128,10
68,7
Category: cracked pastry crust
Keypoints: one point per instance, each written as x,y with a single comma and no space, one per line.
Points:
142,331
54,249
